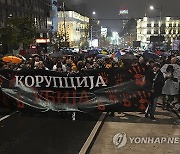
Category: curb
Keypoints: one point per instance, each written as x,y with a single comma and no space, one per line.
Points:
90,140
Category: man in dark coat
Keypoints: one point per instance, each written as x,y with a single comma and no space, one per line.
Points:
158,83
149,74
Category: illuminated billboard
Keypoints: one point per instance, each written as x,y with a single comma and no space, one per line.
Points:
123,11
94,43
42,40
104,32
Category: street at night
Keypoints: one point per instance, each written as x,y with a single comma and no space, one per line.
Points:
89,76
45,133
52,133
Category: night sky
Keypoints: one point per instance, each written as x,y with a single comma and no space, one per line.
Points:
108,10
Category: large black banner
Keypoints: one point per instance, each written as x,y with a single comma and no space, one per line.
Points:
114,89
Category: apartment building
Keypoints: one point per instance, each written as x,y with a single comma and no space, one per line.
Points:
163,30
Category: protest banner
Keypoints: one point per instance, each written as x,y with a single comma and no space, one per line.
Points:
114,89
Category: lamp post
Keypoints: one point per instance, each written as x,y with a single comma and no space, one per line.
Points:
91,30
91,36
64,18
160,9
160,20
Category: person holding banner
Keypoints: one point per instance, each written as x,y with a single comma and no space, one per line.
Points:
158,83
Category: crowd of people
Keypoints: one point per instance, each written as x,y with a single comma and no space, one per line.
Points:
162,72
67,63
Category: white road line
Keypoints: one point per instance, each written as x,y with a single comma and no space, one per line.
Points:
7,116
92,135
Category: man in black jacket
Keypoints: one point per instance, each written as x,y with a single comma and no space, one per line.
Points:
158,83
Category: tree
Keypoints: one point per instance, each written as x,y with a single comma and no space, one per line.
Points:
104,41
8,37
27,31
84,40
18,31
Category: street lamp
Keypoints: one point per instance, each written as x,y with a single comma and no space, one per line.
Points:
10,16
93,13
151,7
64,18
160,9
160,20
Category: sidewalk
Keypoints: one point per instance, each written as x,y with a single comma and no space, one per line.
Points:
136,125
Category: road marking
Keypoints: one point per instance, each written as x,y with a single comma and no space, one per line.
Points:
7,116
93,133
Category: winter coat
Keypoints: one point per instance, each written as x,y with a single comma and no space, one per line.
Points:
158,83
171,86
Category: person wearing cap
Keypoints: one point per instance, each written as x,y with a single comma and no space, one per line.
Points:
158,83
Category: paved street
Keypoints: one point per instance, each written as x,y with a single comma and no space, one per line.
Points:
48,134
52,133
135,125
109,61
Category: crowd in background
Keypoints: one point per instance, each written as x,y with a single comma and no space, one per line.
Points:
78,62
169,66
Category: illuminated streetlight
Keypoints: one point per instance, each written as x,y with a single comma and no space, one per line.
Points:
151,7
160,9
160,21
10,16
91,35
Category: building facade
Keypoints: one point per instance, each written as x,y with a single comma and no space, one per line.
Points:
128,34
35,9
158,30
73,27
53,18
